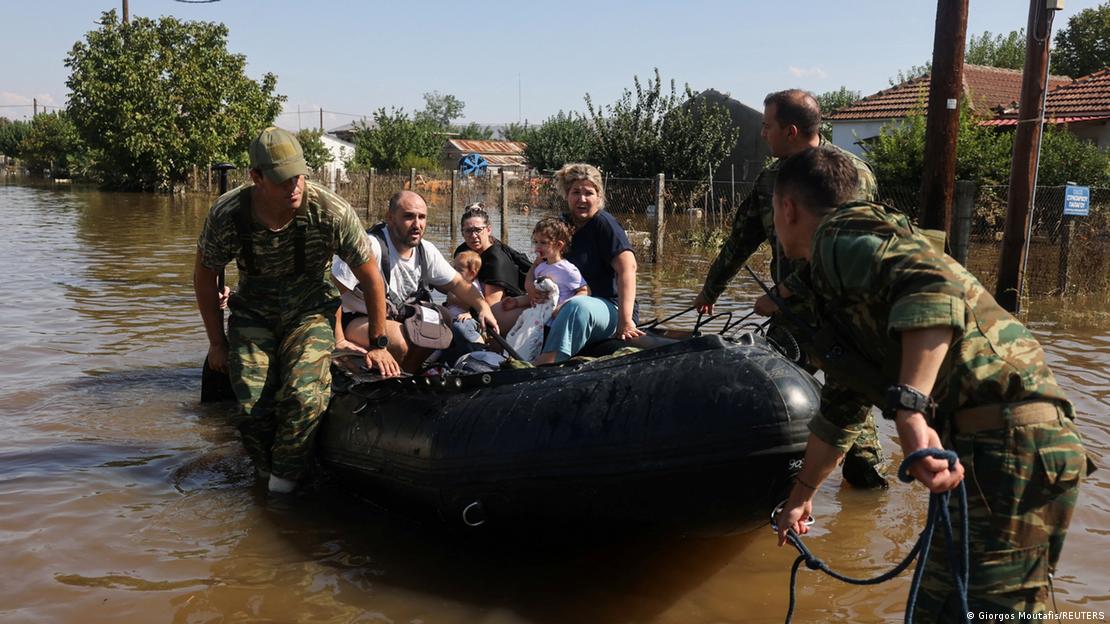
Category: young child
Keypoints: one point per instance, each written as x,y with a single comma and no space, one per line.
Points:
550,238
467,263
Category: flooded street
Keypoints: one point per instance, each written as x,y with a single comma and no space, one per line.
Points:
122,499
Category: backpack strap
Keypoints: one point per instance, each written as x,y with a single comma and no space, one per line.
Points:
242,218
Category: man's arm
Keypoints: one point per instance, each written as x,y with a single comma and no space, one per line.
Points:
821,459
473,301
205,287
746,235
923,352
373,293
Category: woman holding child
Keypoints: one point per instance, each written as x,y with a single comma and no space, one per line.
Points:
600,250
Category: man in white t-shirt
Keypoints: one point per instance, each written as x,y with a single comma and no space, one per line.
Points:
413,261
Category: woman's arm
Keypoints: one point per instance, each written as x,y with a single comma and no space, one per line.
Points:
492,294
624,264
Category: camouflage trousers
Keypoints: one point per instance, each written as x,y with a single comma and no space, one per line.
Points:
1022,485
281,373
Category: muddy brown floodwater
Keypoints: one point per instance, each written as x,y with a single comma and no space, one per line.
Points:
124,500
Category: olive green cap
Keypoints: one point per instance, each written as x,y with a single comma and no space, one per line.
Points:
278,155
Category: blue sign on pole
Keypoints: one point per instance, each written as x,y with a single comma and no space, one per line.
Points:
1077,200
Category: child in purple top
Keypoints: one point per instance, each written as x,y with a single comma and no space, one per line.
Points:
550,238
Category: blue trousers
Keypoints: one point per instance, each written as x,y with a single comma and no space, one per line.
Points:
581,320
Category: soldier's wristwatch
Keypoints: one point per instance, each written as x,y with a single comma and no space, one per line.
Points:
379,342
906,397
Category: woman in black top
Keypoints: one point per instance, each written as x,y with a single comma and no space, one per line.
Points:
500,275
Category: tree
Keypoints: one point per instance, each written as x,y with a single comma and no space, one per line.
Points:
649,131
1083,46
1004,51
441,108
915,71
831,101
52,144
11,135
563,138
316,154
473,131
518,132
153,98
1068,158
397,141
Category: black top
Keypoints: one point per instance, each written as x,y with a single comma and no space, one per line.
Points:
592,249
498,269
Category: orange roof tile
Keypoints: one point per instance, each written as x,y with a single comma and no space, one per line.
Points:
1087,96
986,87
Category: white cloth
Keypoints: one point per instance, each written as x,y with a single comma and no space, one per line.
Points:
526,337
455,309
404,278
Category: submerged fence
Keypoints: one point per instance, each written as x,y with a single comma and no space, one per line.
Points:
1066,254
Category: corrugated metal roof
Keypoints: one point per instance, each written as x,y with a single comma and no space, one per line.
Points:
986,87
486,148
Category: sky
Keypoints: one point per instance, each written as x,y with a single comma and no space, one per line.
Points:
515,61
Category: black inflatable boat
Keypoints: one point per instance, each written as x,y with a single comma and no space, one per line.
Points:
702,429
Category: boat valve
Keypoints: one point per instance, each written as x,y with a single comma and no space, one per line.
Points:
474,514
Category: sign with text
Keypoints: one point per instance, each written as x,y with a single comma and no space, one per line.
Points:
1077,201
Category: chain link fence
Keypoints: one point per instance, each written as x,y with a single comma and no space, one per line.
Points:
1066,254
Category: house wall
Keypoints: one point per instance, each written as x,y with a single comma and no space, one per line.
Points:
340,152
1097,132
848,134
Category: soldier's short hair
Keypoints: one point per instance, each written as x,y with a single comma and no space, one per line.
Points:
819,178
797,108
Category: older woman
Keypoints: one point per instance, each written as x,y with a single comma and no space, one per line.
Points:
602,253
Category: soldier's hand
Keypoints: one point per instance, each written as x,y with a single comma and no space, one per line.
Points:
793,516
933,473
702,304
765,306
382,360
217,357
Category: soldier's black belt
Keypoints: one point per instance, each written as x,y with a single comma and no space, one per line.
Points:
1006,415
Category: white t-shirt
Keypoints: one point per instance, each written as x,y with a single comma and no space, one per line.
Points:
404,278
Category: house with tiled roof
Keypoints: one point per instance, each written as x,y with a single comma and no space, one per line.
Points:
1082,104
986,89
508,155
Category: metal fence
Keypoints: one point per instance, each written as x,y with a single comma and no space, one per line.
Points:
1065,254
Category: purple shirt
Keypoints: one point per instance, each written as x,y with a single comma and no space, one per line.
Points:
565,275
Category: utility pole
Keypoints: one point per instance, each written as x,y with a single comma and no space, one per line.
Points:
321,120
126,13
942,120
1027,151
34,108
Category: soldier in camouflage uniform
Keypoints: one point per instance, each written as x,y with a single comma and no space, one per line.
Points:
282,232
791,122
897,313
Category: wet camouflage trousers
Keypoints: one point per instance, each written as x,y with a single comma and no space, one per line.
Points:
280,370
1021,485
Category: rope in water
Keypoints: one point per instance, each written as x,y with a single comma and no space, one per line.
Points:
938,513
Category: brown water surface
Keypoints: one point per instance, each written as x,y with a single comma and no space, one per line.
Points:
123,499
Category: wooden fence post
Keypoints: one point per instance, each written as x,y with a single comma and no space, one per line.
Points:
504,210
660,219
1067,229
369,196
454,200
961,222
412,179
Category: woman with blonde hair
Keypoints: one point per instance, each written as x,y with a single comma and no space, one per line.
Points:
601,251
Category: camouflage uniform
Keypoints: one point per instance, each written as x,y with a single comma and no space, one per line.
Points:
281,330
751,226
873,276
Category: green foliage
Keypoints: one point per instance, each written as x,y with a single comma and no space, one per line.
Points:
649,131
420,163
983,154
1005,51
440,108
1068,158
473,131
1083,46
153,98
52,143
395,137
517,132
831,101
915,71
315,153
563,138
11,135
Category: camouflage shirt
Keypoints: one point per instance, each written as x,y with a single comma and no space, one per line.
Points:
754,223
273,283
872,276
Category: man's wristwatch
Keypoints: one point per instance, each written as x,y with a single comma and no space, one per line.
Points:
906,397
379,342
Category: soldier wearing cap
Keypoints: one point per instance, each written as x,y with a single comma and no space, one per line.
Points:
282,231
907,328
791,123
